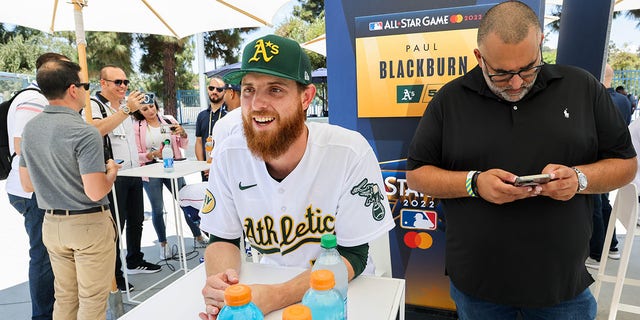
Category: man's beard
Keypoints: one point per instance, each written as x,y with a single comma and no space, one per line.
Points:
501,91
271,145
213,99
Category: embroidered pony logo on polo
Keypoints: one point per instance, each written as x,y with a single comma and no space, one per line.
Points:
267,50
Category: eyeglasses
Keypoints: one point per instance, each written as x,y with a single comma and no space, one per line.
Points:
524,74
85,85
219,89
119,82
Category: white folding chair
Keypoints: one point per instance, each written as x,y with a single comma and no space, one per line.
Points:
625,209
381,255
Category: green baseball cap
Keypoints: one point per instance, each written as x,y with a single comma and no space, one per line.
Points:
276,56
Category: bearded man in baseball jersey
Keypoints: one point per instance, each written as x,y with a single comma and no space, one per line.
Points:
285,183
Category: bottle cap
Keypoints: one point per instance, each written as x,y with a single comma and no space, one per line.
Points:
237,295
296,312
328,241
322,280
167,141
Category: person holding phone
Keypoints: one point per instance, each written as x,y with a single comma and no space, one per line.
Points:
519,250
111,110
151,130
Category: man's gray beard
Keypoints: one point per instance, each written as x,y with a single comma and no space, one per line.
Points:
500,92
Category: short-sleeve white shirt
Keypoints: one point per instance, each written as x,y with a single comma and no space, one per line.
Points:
123,140
227,125
24,107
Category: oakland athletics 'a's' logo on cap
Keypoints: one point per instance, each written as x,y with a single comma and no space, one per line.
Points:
276,56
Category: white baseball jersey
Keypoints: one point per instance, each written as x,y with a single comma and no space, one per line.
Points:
336,188
227,125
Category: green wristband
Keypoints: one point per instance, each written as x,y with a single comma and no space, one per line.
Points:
468,183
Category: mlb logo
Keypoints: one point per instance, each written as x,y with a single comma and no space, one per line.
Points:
375,26
418,219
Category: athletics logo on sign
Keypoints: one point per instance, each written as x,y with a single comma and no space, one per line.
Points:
408,94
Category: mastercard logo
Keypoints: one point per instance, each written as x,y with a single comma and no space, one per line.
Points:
420,240
456,18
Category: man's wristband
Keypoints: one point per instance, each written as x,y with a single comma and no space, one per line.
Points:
469,183
474,183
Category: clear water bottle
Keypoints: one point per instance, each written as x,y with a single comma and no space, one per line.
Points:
238,305
330,259
324,301
296,312
167,157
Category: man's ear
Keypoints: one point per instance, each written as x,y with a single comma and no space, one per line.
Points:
72,91
308,95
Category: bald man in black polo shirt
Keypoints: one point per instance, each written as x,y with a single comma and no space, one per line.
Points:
519,250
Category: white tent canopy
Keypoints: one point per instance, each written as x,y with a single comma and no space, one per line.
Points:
164,17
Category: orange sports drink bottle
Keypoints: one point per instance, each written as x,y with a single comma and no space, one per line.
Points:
208,147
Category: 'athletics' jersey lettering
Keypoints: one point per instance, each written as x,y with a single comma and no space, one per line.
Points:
261,234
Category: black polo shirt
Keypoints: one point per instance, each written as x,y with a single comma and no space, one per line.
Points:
205,122
530,252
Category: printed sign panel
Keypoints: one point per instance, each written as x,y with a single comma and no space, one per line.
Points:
403,59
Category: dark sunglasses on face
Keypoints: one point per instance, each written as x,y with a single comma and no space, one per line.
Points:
85,85
219,89
119,82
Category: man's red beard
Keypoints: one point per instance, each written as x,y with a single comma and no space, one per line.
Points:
271,145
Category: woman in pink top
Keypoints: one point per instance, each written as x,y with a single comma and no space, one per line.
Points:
151,131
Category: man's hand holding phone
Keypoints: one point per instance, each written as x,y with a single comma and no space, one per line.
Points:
496,186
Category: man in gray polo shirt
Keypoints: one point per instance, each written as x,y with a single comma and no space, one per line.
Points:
63,162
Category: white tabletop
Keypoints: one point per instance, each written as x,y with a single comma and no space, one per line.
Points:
155,170
368,297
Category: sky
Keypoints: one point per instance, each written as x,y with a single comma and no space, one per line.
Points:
623,30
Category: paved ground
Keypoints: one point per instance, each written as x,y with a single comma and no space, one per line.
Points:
14,290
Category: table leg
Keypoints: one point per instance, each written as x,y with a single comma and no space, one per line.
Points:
178,218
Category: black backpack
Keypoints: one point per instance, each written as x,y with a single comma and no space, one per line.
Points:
106,141
5,155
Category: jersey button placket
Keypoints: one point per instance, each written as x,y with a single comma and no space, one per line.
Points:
281,196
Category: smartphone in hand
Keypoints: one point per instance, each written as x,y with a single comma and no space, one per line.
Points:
532,180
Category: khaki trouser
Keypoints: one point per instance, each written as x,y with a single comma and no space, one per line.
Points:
82,252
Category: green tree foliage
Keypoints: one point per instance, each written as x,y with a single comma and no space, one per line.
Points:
549,55
167,62
108,48
301,28
224,44
19,49
309,10
622,59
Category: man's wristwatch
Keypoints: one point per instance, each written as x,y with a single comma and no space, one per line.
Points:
125,109
582,179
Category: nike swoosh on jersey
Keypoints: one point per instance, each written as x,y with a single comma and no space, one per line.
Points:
245,187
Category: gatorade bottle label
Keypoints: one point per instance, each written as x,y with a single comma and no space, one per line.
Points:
168,163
